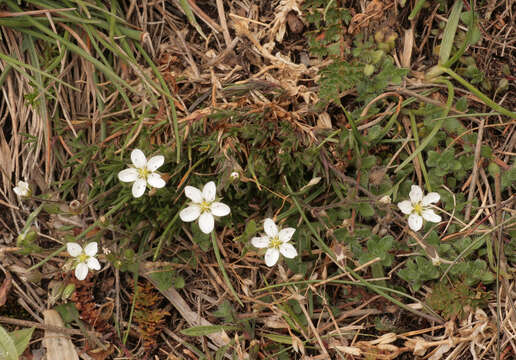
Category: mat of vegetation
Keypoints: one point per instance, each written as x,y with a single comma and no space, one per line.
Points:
287,179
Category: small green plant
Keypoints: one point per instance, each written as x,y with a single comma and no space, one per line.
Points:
14,343
456,300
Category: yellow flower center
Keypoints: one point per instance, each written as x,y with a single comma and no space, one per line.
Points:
275,242
205,206
82,258
143,172
418,209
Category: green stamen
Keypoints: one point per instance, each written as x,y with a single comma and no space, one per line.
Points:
82,258
418,209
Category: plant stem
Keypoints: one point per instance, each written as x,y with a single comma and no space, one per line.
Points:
221,266
478,93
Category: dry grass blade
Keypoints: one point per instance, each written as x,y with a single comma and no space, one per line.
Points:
219,338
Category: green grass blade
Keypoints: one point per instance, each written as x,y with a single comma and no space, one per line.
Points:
191,18
449,32
222,269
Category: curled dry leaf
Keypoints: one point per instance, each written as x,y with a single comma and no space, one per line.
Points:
4,289
295,25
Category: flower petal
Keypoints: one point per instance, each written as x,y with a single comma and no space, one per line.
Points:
219,209
22,189
415,222
193,194
139,187
206,222
288,250
286,234
138,158
74,249
270,227
155,180
93,263
430,215
209,191
416,194
430,198
81,271
260,242
155,162
405,207
91,249
271,257
190,214
128,175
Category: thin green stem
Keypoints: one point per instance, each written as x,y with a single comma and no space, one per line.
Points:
478,93
136,274
435,129
419,156
80,236
222,269
162,237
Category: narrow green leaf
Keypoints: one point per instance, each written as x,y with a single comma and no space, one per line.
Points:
449,32
203,330
417,8
191,18
282,339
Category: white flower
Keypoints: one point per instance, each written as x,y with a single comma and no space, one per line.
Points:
418,207
85,259
203,206
22,189
143,172
276,242
386,200
234,175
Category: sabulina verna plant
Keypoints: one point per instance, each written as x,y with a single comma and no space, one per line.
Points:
275,241
84,258
203,207
418,208
22,189
143,172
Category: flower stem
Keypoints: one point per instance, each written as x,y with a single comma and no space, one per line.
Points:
478,93
80,236
162,237
222,269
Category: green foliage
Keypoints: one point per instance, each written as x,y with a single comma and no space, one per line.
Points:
417,271
164,278
342,75
328,20
7,347
366,67
378,247
456,300
473,272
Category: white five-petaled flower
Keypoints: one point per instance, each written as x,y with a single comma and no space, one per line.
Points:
203,206
84,258
418,207
143,172
22,189
276,242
